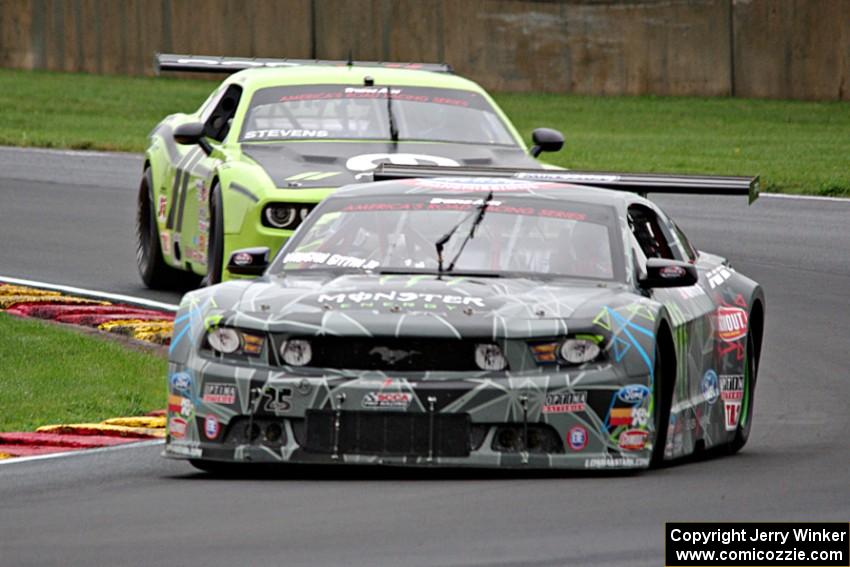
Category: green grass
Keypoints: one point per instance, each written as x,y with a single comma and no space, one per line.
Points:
795,146
53,375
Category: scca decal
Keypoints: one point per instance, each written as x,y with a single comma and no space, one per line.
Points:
400,400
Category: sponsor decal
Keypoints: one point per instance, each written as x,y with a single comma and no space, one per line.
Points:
633,440
671,272
615,462
731,324
181,382
396,400
165,239
464,203
565,402
371,91
243,259
180,405
479,184
368,162
285,133
633,393
570,177
640,417
177,427
690,292
330,260
211,427
732,387
732,393
710,387
224,394
203,191
162,209
577,438
620,416
403,297
279,400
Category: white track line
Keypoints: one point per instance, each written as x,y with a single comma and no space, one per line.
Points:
75,153
131,445
92,293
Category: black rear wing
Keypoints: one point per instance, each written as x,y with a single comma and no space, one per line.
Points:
641,183
227,65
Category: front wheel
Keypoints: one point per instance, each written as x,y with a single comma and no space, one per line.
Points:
662,409
215,242
155,273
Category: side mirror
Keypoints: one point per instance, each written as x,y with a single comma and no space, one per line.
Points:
249,261
546,140
661,272
192,133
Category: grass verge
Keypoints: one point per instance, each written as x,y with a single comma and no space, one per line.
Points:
57,375
796,146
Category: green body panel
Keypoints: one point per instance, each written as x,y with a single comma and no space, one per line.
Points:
183,176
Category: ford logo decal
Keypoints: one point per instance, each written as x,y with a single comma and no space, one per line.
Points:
181,381
633,393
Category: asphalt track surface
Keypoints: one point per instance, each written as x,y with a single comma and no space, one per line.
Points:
69,219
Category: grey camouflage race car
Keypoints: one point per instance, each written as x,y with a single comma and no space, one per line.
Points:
491,318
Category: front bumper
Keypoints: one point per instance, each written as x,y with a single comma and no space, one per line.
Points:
557,419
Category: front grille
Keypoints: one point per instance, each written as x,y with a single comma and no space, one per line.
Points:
388,433
377,353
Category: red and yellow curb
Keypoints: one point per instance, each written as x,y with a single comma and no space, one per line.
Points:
63,438
143,324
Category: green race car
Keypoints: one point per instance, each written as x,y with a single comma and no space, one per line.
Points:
278,136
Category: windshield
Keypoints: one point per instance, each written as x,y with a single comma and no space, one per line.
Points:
357,113
516,236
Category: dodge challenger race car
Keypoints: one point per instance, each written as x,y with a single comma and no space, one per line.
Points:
494,318
278,136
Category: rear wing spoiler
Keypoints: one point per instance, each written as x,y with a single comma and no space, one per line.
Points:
640,183
227,65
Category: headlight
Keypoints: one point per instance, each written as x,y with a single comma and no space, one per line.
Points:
296,352
578,351
490,357
285,215
224,340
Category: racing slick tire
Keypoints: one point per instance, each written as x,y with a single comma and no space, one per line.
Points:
215,242
662,411
155,273
745,420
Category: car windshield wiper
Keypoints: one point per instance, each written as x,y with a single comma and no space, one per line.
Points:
441,243
393,128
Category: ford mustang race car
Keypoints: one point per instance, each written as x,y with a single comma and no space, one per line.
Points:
276,137
494,318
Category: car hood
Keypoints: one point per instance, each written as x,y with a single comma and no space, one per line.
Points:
333,164
414,305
